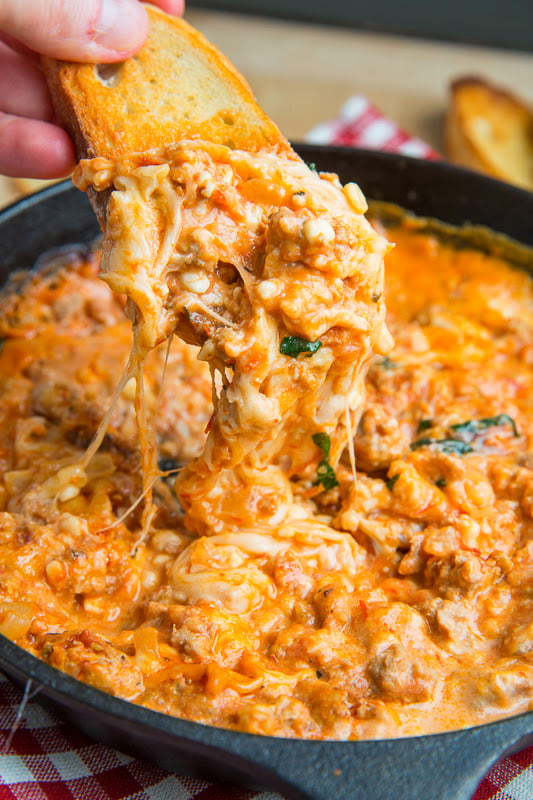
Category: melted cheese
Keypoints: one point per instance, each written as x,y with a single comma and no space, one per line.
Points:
237,253
398,606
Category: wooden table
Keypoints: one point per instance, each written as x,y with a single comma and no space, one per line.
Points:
302,73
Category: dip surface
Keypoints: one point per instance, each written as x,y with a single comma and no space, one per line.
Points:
398,604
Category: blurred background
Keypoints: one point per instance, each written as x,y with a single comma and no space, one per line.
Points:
484,22
306,58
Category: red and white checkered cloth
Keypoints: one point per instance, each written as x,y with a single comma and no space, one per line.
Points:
361,124
43,758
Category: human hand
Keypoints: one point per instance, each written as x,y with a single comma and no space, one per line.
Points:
31,144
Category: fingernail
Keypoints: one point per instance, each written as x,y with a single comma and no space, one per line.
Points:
122,26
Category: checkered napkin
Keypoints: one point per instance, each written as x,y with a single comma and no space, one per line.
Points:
43,758
361,124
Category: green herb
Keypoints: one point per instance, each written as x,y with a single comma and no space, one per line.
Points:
326,476
424,424
451,446
376,297
474,426
322,440
391,482
324,471
387,363
294,345
319,674
312,167
441,483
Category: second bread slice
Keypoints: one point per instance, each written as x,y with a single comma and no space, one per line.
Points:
491,130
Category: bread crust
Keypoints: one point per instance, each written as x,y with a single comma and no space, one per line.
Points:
490,129
178,86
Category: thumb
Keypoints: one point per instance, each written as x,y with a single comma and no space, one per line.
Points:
76,30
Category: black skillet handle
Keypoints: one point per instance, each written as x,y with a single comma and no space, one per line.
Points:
443,767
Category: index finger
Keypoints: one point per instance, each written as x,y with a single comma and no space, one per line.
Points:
80,30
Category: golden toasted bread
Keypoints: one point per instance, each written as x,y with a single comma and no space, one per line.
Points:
178,86
489,129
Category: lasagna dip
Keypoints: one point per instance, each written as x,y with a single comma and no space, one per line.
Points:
235,532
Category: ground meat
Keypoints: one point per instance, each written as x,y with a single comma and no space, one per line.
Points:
398,602
90,658
399,674
207,634
380,439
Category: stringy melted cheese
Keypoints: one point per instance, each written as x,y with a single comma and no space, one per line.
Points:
237,252
401,608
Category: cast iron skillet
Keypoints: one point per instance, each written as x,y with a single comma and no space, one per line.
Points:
440,767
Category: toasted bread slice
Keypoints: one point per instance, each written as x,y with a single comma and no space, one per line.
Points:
489,129
178,86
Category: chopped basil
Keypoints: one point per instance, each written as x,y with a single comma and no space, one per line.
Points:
473,426
312,167
422,443
294,345
424,424
451,446
387,363
441,483
391,482
322,440
172,466
324,471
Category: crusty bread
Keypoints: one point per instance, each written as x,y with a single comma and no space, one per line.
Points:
489,129
177,86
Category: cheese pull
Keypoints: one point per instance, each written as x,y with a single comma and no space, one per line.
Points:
216,230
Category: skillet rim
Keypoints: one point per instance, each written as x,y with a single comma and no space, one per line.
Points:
15,660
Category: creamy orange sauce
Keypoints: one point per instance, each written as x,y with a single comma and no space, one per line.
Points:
397,606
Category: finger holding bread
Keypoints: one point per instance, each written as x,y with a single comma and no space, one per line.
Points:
32,145
81,30
177,86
